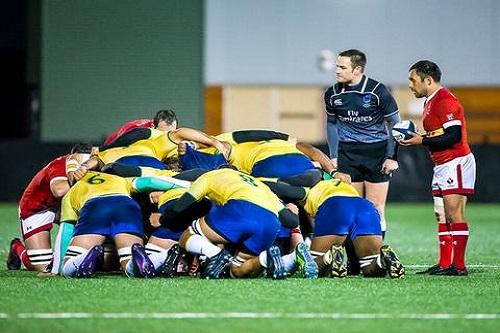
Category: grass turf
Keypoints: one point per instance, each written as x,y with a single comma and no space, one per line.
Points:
412,233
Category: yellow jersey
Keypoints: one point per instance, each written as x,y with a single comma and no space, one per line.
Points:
150,172
92,185
170,195
158,145
226,184
323,191
244,156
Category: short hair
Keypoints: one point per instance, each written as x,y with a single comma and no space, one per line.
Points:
81,148
426,68
167,116
357,57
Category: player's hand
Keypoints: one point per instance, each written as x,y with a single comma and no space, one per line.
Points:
346,178
154,220
79,173
225,149
389,166
154,197
293,208
334,162
416,139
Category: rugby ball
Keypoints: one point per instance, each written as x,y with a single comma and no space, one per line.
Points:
402,130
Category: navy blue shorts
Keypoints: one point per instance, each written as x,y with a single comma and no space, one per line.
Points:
110,215
245,224
194,159
282,166
142,161
347,216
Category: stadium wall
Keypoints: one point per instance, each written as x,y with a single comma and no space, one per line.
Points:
411,183
106,62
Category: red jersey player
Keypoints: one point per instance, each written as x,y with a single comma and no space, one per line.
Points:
164,120
455,166
38,209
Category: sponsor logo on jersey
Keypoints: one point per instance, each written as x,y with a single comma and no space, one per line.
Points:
337,102
366,100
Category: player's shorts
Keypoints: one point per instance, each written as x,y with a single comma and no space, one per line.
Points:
457,176
252,228
166,233
194,159
351,216
36,223
142,161
109,216
363,161
282,166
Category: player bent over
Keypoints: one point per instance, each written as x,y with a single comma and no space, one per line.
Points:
39,209
339,212
100,206
246,214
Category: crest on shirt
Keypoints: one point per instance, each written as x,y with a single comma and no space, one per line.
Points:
337,102
449,116
366,100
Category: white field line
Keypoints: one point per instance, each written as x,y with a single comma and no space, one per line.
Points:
468,266
253,315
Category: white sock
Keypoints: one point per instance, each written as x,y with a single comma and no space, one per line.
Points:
75,256
326,258
383,225
290,261
157,254
263,258
198,244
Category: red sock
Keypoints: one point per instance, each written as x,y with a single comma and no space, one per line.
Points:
20,250
460,234
445,245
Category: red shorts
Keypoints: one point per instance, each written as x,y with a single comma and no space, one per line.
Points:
455,177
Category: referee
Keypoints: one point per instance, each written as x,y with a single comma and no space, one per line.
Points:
360,114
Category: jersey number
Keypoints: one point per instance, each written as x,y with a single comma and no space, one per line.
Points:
248,180
95,180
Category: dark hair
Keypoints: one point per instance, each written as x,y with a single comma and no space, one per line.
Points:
82,148
167,116
426,68
358,58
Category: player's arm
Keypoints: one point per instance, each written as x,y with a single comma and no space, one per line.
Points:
258,135
451,136
128,138
288,219
59,186
286,192
180,205
94,163
158,183
189,134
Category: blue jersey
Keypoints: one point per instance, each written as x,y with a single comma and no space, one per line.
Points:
360,111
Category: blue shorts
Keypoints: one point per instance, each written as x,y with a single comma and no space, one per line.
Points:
142,161
110,215
245,224
347,216
282,166
194,159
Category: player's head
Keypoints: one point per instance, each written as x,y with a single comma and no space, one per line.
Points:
165,120
350,65
423,76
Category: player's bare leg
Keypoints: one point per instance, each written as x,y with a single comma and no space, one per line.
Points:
38,251
368,250
245,265
377,194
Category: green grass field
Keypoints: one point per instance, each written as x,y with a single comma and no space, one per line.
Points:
415,304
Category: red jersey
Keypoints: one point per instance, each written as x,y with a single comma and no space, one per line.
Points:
138,123
37,196
443,110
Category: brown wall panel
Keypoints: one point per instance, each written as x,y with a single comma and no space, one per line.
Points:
213,110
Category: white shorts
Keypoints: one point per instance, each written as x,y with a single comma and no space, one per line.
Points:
455,177
36,223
